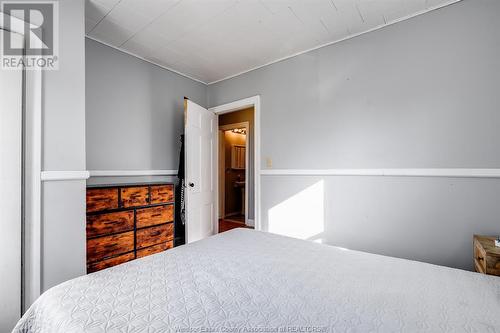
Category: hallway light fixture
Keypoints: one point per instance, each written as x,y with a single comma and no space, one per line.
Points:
242,131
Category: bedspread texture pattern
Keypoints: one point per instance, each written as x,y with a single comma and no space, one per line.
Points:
250,281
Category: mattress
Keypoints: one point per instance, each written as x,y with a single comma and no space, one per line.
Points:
250,281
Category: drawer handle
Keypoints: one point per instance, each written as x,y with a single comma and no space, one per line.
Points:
156,215
480,258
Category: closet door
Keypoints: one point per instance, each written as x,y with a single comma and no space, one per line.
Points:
11,88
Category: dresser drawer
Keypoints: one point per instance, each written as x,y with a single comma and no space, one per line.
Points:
97,266
486,255
101,199
147,217
134,196
162,194
109,246
479,258
109,223
154,235
155,249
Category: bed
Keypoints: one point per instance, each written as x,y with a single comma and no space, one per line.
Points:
250,281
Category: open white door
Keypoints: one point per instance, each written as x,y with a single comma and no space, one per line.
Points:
200,154
11,94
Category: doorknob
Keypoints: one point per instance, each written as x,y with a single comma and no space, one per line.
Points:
191,184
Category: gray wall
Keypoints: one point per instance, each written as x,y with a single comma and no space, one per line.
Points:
422,93
63,202
134,112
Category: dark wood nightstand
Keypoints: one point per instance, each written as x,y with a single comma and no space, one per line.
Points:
486,255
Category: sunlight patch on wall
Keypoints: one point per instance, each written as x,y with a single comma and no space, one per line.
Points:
300,216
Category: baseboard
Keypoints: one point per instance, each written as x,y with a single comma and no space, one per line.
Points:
232,214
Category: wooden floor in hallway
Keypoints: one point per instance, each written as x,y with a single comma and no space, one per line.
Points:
225,225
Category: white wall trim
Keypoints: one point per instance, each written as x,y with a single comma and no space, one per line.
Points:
235,106
64,175
450,173
125,173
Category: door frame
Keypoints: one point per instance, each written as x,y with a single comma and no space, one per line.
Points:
221,156
32,165
241,104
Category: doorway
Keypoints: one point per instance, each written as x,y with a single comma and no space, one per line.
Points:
201,160
235,169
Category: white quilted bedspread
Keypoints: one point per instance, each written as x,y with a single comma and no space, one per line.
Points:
249,281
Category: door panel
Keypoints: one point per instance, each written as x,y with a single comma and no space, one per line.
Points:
200,131
11,86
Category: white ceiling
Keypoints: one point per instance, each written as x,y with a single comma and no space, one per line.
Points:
210,40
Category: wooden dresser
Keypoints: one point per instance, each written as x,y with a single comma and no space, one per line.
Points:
125,222
486,255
